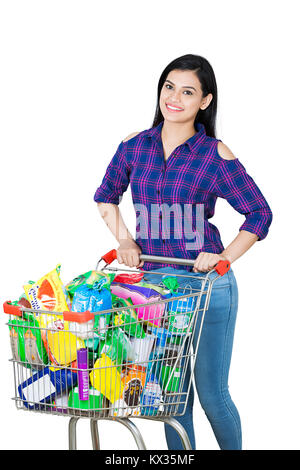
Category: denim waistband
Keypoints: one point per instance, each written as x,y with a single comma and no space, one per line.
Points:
222,281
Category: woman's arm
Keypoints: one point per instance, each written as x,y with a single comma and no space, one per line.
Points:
242,242
128,251
259,220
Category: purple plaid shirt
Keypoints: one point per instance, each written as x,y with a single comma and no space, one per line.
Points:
174,200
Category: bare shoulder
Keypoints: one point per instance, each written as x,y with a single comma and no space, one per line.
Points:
225,152
130,136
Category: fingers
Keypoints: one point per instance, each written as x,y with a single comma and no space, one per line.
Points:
130,257
205,262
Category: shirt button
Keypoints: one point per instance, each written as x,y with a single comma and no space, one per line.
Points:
158,191
164,241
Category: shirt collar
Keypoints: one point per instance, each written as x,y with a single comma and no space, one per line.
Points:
193,142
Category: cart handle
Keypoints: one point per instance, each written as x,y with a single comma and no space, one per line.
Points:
12,309
221,268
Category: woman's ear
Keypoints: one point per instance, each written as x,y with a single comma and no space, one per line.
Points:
206,101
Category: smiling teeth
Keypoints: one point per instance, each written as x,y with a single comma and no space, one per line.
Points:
172,107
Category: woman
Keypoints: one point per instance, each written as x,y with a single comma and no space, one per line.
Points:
177,169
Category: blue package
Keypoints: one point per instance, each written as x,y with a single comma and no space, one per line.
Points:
151,397
184,305
45,385
91,299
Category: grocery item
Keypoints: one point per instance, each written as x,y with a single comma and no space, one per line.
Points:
157,353
60,343
171,369
94,402
128,278
47,293
133,379
142,295
106,378
83,375
45,385
127,319
60,403
90,299
151,400
180,314
26,342
96,279
117,346
17,341
142,348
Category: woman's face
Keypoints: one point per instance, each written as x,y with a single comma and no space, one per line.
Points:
182,91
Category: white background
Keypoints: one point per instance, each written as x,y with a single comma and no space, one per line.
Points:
77,78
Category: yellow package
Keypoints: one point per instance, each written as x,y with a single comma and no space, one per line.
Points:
106,378
61,345
48,293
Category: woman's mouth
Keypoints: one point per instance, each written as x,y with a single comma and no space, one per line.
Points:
173,109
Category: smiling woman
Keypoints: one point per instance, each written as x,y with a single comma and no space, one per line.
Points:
179,162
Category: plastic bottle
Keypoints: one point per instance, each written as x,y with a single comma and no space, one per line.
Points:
83,374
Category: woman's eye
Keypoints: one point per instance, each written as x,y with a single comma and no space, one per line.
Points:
168,85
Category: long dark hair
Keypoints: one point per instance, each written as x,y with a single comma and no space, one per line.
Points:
206,76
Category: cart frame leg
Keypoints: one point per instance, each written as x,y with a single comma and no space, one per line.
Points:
134,431
72,433
95,434
179,429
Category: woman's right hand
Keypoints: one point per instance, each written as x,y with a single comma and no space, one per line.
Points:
129,253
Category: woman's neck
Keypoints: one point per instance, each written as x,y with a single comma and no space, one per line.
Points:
177,132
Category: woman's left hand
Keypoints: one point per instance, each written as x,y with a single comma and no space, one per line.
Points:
207,261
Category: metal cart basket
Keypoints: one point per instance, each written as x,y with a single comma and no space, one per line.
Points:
129,361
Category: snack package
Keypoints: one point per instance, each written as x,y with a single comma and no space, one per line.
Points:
106,378
133,379
61,345
47,293
127,319
142,295
117,346
26,342
94,300
93,279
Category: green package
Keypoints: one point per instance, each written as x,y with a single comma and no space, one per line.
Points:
26,342
170,383
116,346
93,279
127,319
94,402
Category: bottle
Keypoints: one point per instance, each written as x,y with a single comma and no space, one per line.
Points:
83,374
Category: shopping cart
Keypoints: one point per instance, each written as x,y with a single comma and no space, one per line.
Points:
130,361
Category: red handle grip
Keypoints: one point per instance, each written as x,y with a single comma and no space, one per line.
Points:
222,267
110,256
12,309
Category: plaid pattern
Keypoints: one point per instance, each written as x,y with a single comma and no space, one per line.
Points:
174,200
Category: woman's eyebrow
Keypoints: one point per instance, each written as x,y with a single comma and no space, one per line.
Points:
183,86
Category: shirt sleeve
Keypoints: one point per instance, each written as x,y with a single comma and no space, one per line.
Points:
239,189
115,180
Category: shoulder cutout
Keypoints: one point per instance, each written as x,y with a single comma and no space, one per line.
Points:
225,152
130,136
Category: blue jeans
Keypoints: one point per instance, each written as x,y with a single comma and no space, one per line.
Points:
212,361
